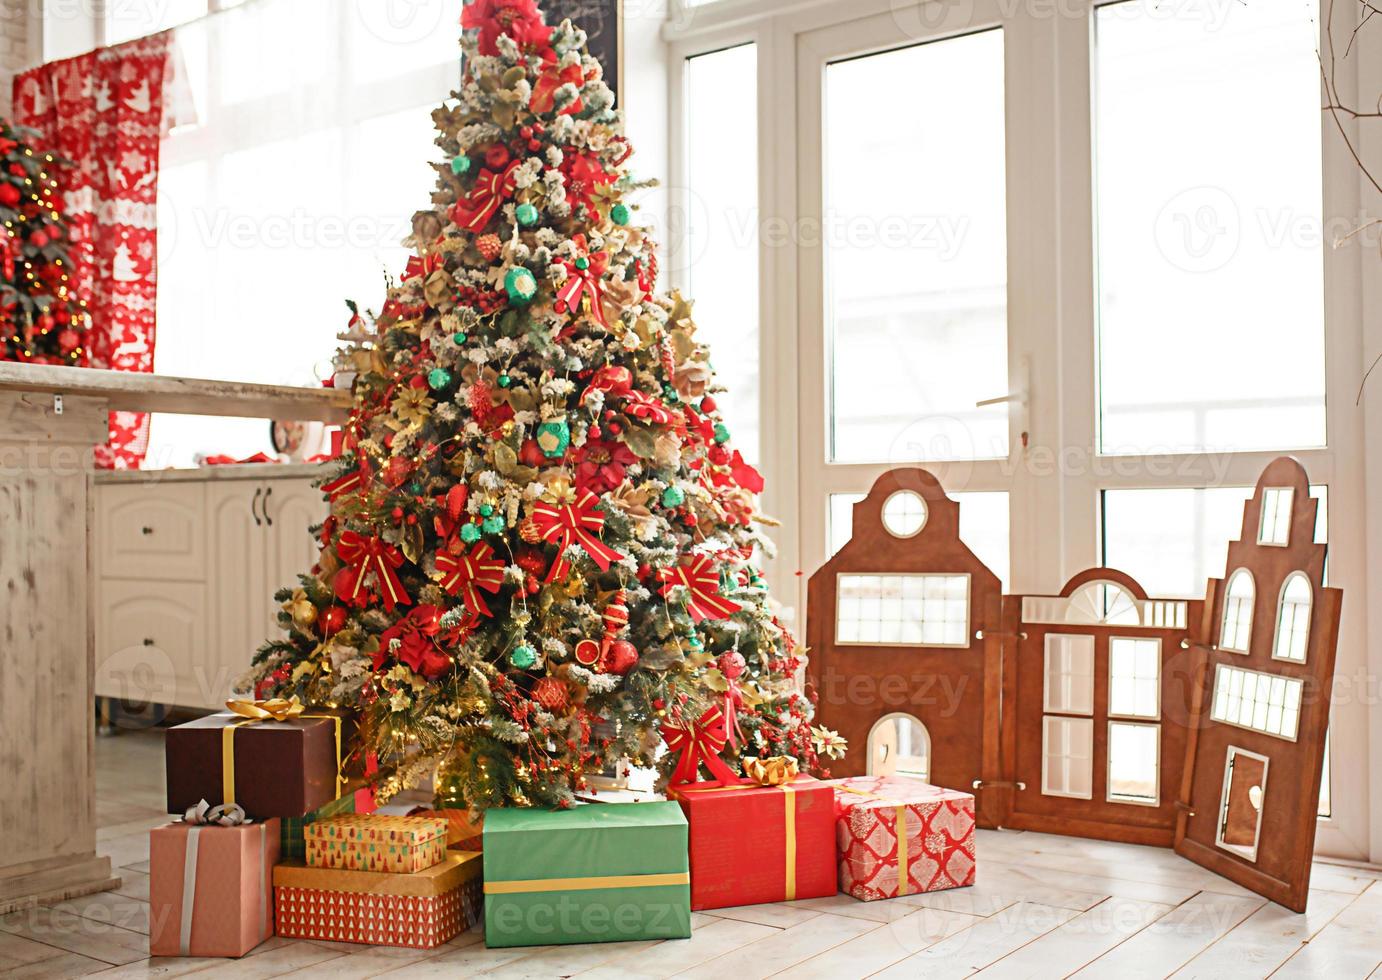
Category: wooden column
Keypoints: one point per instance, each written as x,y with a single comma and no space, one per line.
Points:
47,775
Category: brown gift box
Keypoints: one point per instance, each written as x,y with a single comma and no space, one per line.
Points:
278,768
211,888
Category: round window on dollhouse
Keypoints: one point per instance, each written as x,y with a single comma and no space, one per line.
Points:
904,514
899,745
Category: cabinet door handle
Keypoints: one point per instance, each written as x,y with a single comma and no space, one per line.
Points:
254,505
267,519
146,531
148,641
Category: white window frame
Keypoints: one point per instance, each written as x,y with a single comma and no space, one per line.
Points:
1130,721
1309,612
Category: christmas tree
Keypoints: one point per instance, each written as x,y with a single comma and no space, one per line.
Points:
540,558
41,319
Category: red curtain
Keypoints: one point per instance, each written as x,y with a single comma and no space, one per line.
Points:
106,111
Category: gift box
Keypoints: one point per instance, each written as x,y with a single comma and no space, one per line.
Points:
593,873
936,843
464,828
292,839
270,767
421,910
753,844
374,842
210,888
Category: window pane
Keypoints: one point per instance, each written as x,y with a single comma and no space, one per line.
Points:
1210,235
391,39
915,253
720,264
1173,541
1133,760
129,19
983,525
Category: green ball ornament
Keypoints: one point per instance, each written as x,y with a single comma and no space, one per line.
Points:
504,380
526,215
673,497
470,533
438,378
460,165
493,525
721,432
523,657
520,284
619,214
486,510
582,263
459,338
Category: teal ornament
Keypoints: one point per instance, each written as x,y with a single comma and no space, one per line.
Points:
438,378
673,497
694,642
721,432
619,214
486,510
470,533
520,285
670,394
523,656
493,525
526,215
459,338
582,263
460,164
553,438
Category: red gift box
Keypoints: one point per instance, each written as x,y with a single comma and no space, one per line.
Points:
754,844
936,846
211,888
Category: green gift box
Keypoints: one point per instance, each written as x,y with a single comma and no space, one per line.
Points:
293,833
597,873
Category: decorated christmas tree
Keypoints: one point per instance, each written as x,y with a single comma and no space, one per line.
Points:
541,554
41,320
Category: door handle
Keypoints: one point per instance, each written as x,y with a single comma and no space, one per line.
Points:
254,504
265,508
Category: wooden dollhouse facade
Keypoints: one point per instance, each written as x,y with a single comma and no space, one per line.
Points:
1099,711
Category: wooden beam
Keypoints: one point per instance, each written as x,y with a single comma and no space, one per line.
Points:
127,391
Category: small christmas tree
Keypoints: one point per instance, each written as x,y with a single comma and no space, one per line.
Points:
42,321
540,559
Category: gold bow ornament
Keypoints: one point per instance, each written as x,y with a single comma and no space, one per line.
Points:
774,771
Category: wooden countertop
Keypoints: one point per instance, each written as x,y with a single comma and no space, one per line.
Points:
126,391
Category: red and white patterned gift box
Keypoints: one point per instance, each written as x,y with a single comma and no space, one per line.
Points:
421,910
936,844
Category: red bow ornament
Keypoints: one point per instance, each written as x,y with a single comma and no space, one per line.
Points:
490,191
703,582
466,574
422,266
582,286
349,483
365,555
699,743
577,523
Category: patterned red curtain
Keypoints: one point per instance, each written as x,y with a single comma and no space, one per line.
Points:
106,111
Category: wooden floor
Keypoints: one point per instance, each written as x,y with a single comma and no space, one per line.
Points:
1044,907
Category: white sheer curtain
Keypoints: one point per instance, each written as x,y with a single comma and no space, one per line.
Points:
291,192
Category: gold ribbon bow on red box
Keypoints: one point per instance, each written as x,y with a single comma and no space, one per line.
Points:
577,523
468,573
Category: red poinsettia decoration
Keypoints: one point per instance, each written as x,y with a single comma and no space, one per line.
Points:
553,77
423,641
519,19
584,178
602,465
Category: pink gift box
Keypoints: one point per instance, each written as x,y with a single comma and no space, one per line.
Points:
211,888
936,846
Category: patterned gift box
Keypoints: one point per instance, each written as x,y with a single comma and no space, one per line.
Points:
372,842
293,837
420,910
936,845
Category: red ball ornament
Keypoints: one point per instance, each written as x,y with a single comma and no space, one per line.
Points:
332,620
551,693
707,405
496,156
530,454
17,169
731,664
39,239
9,195
68,340
621,658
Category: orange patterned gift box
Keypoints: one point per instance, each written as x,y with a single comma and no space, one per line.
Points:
376,842
936,845
420,910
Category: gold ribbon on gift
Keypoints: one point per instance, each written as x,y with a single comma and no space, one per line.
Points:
900,830
530,885
254,712
773,771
